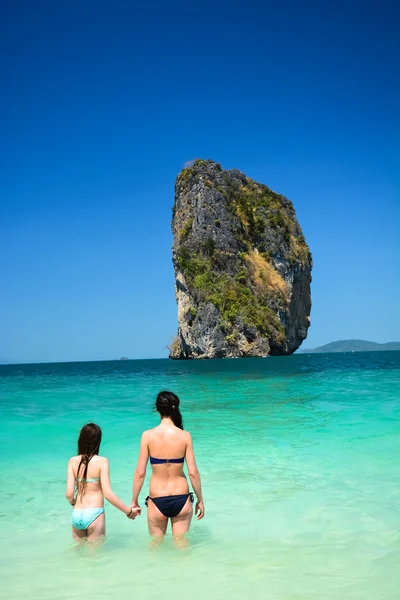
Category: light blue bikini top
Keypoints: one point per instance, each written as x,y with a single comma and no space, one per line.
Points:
89,480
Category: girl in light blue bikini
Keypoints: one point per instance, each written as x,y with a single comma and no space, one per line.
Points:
88,483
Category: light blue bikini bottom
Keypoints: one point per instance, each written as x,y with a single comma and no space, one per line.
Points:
84,517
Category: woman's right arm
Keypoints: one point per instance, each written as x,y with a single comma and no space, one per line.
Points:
140,472
194,477
109,494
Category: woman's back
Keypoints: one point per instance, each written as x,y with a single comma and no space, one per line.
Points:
167,441
167,444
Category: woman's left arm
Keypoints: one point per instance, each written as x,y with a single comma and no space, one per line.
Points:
140,472
70,491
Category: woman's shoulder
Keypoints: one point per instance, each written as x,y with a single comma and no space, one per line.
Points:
149,432
183,435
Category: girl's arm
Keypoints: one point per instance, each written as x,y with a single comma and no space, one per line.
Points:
109,494
70,491
194,477
140,472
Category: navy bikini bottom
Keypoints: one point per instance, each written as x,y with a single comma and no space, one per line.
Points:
170,506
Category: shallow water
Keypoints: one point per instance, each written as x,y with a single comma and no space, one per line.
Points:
300,464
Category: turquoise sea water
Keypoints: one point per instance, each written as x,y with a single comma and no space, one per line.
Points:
299,458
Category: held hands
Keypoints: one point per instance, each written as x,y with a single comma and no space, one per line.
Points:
199,510
135,511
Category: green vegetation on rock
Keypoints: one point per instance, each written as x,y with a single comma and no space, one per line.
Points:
186,229
232,296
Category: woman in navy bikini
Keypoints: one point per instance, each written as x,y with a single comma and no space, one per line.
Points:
167,446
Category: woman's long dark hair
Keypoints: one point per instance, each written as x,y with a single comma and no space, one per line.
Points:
88,446
167,404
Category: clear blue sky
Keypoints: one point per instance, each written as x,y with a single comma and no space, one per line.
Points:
102,103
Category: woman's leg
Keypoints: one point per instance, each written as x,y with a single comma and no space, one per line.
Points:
156,521
97,528
181,523
78,534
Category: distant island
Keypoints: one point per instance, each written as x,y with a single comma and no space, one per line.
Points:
353,346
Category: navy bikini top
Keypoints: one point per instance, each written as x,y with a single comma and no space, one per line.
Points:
160,461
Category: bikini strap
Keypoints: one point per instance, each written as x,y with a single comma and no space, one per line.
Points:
146,502
191,497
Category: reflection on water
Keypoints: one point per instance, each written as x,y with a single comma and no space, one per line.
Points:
299,458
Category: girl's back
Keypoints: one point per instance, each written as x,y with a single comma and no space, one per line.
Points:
93,496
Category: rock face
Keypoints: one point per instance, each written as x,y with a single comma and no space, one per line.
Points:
242,267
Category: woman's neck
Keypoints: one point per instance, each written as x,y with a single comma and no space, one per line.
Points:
166,422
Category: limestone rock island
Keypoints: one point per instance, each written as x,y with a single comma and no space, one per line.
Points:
242,267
